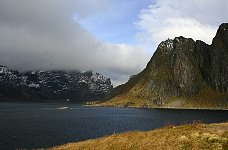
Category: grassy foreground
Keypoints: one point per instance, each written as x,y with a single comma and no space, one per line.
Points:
185,137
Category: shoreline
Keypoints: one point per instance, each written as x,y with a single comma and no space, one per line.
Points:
176,108
113,106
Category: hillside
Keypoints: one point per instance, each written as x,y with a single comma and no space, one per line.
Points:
182,73
195,136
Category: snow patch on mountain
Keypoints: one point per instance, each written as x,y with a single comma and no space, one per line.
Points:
54,84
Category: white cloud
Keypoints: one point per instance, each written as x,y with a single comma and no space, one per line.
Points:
197,19
43,35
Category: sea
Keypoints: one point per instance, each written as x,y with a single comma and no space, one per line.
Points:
26,125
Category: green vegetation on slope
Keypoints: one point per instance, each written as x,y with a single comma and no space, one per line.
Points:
207,98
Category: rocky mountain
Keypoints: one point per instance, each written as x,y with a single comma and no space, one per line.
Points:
182,73
52,85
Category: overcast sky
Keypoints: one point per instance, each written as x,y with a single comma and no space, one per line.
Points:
114,37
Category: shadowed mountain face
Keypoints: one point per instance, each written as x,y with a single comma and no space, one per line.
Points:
52,85
181,73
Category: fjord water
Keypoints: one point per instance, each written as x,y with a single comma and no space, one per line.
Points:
37,125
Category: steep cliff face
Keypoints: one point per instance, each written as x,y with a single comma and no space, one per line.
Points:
52,85
219,60
181,73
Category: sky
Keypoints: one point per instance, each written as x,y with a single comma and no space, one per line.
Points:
113,37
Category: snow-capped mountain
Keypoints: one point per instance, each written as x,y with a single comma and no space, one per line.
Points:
74,85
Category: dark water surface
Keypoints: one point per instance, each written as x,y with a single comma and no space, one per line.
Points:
36,125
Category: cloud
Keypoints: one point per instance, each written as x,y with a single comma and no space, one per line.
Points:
45,35
197,19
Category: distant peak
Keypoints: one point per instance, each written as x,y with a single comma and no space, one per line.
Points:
166,44
169,42
221,35
4,69
179,38
182,39
224,26
2,66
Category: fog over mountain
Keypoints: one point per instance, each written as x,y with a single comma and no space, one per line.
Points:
50,34
44,35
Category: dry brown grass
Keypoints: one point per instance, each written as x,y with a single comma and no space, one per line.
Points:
186,137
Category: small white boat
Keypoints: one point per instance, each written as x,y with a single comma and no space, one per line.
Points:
63,108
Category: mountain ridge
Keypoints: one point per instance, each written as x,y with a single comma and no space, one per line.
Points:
40,85
182,73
